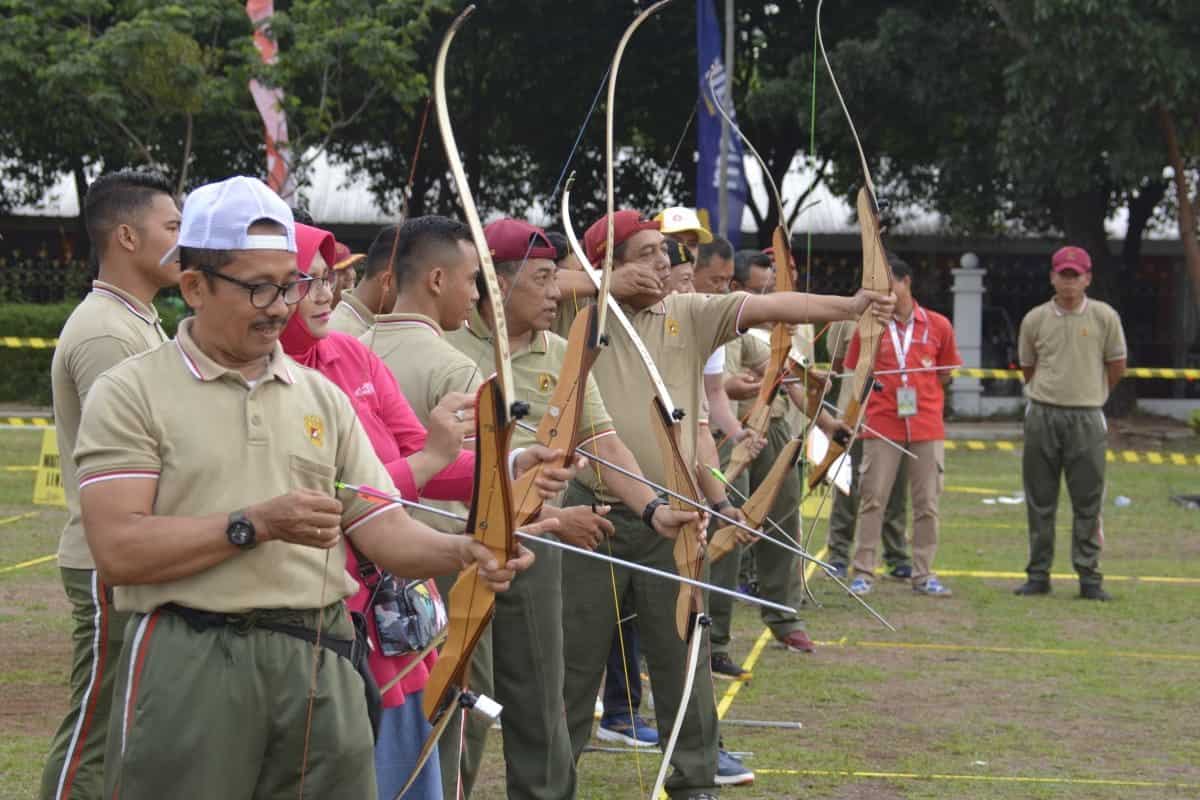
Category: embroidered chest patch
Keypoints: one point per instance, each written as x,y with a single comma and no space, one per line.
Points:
314,429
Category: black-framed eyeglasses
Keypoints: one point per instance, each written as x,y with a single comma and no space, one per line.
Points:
263,295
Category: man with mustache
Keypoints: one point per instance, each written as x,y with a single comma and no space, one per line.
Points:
206,471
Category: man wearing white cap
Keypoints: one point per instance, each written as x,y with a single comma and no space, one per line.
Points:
684,226
206,471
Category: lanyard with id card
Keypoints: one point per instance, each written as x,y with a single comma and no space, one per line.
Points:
906,396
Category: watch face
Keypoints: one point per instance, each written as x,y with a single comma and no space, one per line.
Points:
240,534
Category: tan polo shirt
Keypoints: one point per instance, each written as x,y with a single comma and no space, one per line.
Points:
535,375
751,352
351,316
214,443
427,368
680,334
1070,349
109,326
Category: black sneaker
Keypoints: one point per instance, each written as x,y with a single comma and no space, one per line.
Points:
900,572
839,569
1032,587
724,667
1094,591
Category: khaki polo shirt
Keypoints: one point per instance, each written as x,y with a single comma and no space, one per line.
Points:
109,326
752,352
535,372
680,333
351,316
214,443
1070,349
427,368
425,364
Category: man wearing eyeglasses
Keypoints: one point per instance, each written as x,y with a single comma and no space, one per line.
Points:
206,474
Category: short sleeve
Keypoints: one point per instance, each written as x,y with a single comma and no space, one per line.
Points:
1026,353
595,420
90,359
1114,339
117,436
948,355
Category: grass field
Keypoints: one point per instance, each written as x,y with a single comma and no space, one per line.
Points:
984,695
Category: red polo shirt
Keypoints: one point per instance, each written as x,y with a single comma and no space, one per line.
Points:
932,345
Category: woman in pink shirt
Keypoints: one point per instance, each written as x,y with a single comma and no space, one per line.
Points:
428,464
422,463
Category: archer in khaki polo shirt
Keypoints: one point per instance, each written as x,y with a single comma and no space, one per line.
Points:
679,333
1072,352
528,667
132,220
434,266
207,470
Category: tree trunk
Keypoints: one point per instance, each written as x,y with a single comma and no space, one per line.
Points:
1187,213
1141,211
84,249
1083,218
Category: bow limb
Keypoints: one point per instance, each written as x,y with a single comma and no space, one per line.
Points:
470,603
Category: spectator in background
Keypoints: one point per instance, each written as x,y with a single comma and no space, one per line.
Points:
1072,352
681,279
908,411
684,226
345,268
375,294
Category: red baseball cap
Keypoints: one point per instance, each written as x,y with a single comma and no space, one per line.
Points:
515,240
625,224
1071,258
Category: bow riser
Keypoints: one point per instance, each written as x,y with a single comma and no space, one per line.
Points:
759,504
559,428
470,603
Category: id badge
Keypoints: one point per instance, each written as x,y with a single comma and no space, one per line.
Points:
906,402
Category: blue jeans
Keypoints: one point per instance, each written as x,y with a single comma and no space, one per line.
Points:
617,697
402,732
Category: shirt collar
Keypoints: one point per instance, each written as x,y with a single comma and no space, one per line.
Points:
1059,311
147,314
358,308
398,320
204,368
480,330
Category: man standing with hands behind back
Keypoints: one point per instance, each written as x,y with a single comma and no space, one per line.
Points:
1072,351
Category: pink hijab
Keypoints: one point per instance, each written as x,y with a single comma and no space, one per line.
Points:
298,342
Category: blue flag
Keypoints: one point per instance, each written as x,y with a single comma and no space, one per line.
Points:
708,177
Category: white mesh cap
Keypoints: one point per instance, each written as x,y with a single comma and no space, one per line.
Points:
217,216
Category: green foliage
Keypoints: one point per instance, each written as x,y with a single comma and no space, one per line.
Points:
25,372
1194,421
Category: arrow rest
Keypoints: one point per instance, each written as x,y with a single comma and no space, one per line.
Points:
519,409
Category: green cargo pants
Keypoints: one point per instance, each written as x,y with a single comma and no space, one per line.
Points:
460,757
1070,441
724,573
75,766
528,665
843,518
779,569
225,712
590,617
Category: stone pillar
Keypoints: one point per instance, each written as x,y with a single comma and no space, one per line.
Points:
966,393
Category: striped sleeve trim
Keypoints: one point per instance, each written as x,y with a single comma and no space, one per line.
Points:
596,437
371,513
115,475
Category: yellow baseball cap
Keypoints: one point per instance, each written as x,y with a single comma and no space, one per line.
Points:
680,219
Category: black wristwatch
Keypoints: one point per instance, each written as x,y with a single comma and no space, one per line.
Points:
721,505
651,507
240,531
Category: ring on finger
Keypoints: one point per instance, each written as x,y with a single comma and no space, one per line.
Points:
459,415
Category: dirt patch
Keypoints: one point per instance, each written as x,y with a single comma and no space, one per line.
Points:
35,658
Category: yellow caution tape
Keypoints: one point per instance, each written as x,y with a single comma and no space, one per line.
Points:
1124,456
31,422
1167,373
27,343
